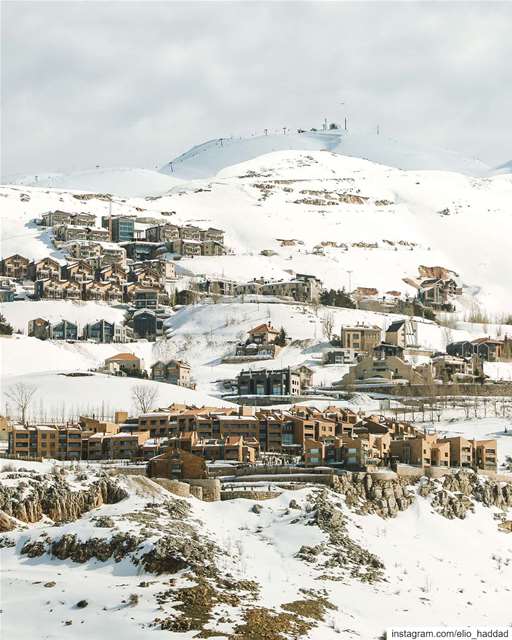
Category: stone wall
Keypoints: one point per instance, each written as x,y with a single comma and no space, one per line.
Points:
249,495
181,489
210,487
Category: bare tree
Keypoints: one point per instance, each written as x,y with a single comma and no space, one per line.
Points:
144,397
21,394
328,325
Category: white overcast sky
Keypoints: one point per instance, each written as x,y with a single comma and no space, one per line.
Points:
136,83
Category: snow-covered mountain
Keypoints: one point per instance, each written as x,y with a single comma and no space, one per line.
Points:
319,213
124,182
504,168
207,159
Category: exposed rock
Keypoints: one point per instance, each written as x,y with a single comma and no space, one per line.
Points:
53,497
293,504
81,604
6,524
257,508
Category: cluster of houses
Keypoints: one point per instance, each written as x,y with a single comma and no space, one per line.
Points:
180,440
436,287
145,284
391,361
133,232
171,371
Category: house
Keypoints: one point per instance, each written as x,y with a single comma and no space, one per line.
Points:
83,219
53,218
213,235
64,330
104,332
402,333
16,267
263,334
68,232
98,234
361,338
128,363
460,349
489,349
115,273
177,464
45,268
452,368
390,370
78,270
303,288
83,250
186,247
219,286
148,323
112,254
281,382
340,356
102,291
174,372
188,296
57,289
384,350
212,248
146,297
190,232
39,328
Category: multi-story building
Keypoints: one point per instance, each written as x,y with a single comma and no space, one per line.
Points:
361,338
16,267
163,233
280,382
103,331
122,229
173,372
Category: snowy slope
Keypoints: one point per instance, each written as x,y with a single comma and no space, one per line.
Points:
124,182
436,571
207,159
406,218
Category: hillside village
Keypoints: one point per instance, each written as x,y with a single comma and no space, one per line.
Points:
284,382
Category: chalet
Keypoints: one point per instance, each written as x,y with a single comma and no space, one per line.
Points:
64,330
98,234
402,333
57,289
148,323
186,247
53,218
489,349
219,286
145,276
188,296
212,235
190,232
68,232
146,297
83,250
174,372
39,328
83,219
452,368
263,334
45,268
104,332
112,253
114,273
127,362
102,291
212,248
15,266
303,288
78,271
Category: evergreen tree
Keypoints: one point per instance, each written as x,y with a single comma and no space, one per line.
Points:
281,338
5,328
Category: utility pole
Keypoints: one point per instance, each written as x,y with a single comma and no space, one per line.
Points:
265,131
349,272
284,130
346,129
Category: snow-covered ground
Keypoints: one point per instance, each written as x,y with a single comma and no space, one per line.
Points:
437,571
207,159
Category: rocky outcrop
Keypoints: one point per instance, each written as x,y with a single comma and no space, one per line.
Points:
6,523
340,553
455,495
366,493
52,496
69,546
